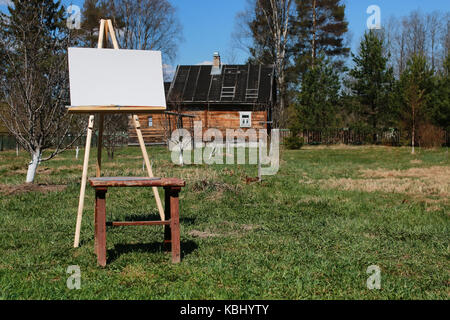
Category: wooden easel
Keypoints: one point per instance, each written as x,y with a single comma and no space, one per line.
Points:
105,28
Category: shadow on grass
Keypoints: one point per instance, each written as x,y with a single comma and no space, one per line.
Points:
187,247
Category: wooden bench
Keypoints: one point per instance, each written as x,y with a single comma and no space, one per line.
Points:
171,223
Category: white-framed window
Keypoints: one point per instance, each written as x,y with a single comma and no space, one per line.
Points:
150,121
245,119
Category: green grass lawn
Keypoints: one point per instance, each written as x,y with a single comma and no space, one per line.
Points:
309,232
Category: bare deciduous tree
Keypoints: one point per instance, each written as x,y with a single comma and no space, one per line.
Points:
433,26
416,35
34,79
147,25
419,34
445,37
115,127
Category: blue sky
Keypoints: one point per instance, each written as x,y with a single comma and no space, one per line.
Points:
208,24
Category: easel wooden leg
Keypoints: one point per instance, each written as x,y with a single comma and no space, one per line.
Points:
99,145
147,164
83,181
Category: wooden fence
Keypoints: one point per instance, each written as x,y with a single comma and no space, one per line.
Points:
8,142
347,136
338,136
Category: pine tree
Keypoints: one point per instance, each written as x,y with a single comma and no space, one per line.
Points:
441,106
262,50
372,82
319,28
317,101
92,12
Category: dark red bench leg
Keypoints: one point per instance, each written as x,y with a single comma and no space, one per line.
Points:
167,232
175,224
172,231
100,226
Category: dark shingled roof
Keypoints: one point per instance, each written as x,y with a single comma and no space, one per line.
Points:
236,84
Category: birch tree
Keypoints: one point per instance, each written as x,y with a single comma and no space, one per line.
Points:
263,30
418,87
276,15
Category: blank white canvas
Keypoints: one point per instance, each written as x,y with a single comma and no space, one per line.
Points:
104,77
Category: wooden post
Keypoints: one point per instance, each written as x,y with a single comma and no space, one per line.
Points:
100,226
101,118
167,230
83,181
259,160
175,224
137,125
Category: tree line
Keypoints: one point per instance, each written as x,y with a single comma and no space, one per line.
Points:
398,77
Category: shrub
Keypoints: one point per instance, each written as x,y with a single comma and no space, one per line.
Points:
430,136
294,142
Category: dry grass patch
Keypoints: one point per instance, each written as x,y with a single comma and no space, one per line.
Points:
418,182
78,167
24,188
249,227
215,189
42,170
133,273
198,174
204,185
202,234
225,229
441,173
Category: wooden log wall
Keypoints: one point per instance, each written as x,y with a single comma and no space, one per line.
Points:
152,135
222,120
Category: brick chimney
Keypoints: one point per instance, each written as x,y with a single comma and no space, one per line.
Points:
216,60
217,65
